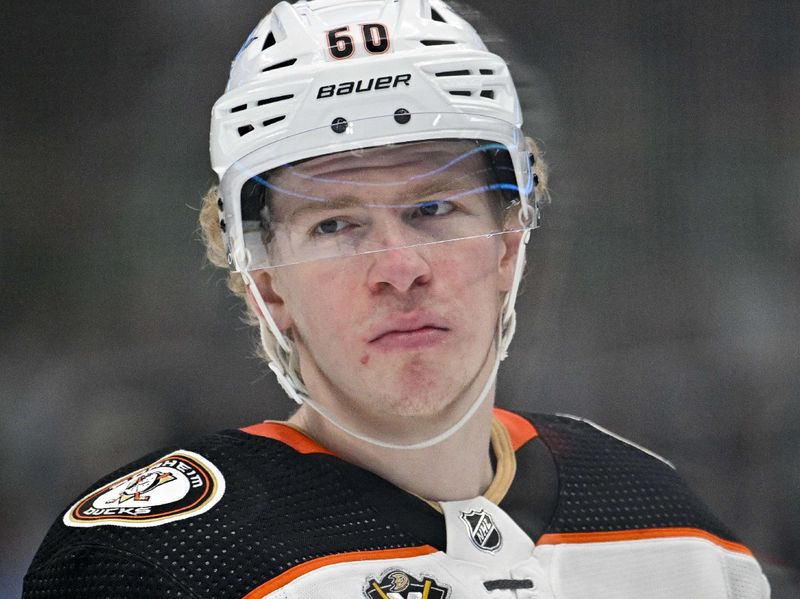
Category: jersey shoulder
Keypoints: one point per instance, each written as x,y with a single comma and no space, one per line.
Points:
607,484
253,502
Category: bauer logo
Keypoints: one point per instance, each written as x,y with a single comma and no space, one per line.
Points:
179,485
363,85
482,530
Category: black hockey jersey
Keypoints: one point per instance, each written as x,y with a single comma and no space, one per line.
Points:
265,512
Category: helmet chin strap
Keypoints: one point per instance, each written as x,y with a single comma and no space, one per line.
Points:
294,387
422,444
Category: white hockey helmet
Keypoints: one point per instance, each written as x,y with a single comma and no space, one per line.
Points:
319,77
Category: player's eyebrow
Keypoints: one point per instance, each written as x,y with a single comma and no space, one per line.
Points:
414,192
309,206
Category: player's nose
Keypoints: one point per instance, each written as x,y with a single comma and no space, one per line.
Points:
398,267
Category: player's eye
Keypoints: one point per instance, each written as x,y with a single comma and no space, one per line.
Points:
330,226
435,208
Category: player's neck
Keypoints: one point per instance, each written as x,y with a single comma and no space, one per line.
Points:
456,468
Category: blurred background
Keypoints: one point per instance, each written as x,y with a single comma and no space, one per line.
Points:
662,294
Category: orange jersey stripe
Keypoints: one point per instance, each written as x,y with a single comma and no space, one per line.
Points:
338,558
286,434
520,430
637,535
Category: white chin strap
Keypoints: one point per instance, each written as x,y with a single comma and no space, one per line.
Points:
280,356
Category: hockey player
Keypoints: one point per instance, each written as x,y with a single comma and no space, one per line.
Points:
376,194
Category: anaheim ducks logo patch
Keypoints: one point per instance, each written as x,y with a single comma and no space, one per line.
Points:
397,584
179,485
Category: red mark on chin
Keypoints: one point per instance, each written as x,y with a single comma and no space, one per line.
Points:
365,359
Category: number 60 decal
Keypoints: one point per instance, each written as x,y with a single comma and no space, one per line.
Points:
340,41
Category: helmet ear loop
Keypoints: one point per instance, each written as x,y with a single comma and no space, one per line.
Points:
507,323
279,355
265,313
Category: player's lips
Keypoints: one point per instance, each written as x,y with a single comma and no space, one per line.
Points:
409,332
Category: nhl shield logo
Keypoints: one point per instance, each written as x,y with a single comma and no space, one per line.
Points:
482,530
397,584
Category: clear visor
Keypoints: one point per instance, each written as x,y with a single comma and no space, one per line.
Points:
366,200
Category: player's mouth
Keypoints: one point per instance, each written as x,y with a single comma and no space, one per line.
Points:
409,333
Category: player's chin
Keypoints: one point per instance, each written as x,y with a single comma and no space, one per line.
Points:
429,402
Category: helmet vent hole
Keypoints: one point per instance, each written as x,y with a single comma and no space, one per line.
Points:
273,120
436,16
487,93
280,65
275,99
453,73
270,41
461,93
436,42
339,125
402,116
239,108
487,72
244,130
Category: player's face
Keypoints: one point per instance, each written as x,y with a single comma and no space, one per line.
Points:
407,331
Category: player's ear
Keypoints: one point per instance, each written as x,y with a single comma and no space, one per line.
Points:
273,301
509,248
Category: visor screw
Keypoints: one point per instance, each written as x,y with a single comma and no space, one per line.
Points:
339,125
219,203
402,116
222,225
